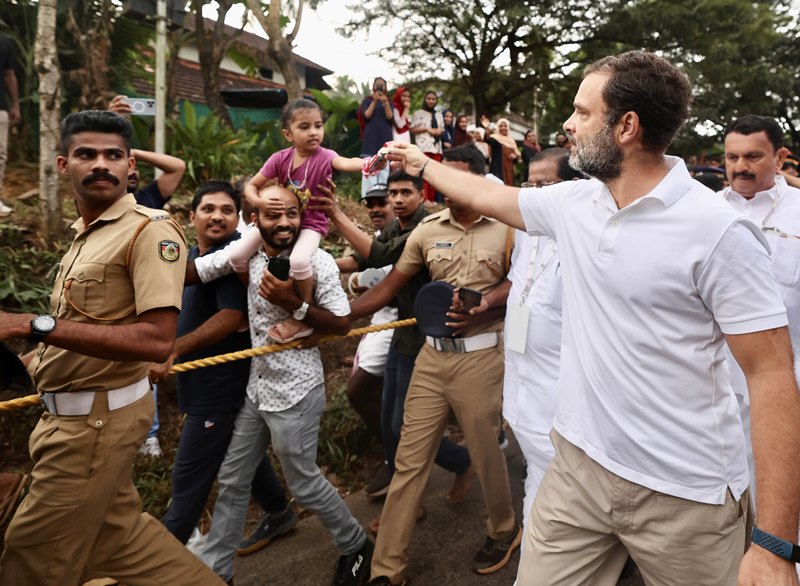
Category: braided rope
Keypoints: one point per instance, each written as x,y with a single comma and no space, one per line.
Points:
14,404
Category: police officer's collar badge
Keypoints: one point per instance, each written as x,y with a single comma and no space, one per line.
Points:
169,250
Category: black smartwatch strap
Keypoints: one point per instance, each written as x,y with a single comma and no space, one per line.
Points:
780,547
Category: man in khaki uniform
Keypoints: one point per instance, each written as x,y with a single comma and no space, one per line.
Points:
464,249
114,309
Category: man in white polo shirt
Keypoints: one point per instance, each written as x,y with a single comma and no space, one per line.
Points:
754,152
658,275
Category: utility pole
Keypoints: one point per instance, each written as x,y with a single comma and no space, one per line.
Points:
161,76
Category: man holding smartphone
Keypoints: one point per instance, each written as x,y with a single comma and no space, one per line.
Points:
464,374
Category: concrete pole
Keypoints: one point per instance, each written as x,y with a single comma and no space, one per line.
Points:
161,76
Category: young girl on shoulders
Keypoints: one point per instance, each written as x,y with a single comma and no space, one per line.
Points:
300,168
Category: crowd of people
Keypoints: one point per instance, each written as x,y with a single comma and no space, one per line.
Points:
633,327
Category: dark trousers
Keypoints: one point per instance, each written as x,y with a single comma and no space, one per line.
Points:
201,449
399,368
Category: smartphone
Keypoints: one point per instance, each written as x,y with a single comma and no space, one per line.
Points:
142,106
470,298
279,266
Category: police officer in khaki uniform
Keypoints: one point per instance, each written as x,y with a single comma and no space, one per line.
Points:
463,249
114,309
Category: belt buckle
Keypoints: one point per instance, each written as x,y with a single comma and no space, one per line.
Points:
452,344
48,401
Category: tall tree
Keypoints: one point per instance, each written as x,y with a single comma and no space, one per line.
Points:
91,24
495,51
212,44
280,44
50,116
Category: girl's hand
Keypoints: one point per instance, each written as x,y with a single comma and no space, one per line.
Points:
271,204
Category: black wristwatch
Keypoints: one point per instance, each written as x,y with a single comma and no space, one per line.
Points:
41,325
780,547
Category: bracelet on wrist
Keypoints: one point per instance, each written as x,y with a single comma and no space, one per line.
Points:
780,547
422,169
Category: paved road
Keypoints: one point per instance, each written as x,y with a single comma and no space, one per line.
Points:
440,554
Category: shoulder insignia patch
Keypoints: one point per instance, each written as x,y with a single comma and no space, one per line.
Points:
169,250
159,218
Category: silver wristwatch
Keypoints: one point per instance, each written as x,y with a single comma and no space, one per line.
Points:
300,313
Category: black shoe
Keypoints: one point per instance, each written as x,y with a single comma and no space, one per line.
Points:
353,569
495,553
379,485
270,527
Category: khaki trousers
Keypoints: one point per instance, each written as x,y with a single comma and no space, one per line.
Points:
83,516
472,385
583,514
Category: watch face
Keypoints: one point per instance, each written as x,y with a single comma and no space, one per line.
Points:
44,323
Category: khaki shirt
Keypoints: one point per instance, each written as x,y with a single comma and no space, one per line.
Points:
473,257
95,285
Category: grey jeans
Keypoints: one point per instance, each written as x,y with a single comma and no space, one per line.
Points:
294,434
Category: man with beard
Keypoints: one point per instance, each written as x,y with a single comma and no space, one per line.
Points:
210,324
285,400
114,310
658,275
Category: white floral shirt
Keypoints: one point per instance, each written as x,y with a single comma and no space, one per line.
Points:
280,380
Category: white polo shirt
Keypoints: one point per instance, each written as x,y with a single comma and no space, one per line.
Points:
531,379
648,292
777,212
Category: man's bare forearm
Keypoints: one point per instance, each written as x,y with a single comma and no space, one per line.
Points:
216,328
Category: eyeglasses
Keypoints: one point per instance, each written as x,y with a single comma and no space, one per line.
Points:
539,183
374,203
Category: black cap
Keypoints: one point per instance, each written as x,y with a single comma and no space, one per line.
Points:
377,190
431,306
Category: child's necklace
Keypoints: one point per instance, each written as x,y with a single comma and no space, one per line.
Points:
305,176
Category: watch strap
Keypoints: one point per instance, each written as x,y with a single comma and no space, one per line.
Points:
780,547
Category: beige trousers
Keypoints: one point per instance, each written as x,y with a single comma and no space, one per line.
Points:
472,385
583,514
83,517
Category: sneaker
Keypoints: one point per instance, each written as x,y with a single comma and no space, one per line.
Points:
353,569
270,527
4,210
502,440
495,553
379,485
151,447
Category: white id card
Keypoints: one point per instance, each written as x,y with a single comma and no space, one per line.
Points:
517,321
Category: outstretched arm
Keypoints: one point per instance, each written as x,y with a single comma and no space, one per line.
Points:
483,196
766,359
325,201
380,295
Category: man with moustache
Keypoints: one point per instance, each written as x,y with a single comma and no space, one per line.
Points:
285,400
210,324
658,276
114,310
754,151
406,196
465,374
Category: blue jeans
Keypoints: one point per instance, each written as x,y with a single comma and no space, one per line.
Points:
294,434
155,427
399,369
201,449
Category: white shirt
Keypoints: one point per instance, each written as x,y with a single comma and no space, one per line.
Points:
777,212
280,380
531,379
425,141
648,292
